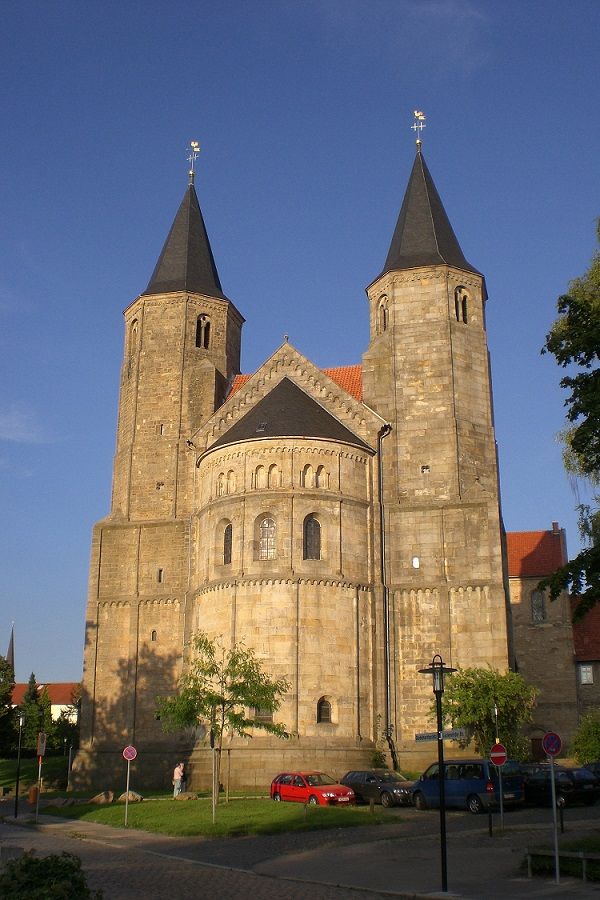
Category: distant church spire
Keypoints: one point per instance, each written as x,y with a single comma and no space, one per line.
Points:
186,262
423,234
10,653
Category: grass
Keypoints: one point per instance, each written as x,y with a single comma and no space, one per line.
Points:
589,843
54,773
238,817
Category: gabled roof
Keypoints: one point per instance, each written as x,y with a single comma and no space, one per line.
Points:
423,234
287,411
186,262
347,377
535,554
60,692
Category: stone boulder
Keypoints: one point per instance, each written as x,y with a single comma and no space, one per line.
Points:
131,797
187,795
103,798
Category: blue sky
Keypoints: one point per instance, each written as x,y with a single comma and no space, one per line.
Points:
303,111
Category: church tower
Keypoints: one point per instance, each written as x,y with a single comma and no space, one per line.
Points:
181,352
426,372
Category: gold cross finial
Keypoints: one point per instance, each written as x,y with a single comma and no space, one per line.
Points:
192,156
418,125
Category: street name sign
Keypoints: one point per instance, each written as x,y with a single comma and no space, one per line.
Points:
451,734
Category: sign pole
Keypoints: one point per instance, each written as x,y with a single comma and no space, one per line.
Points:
552,745
127,792
39,785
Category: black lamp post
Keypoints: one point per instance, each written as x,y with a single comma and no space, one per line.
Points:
21,723
437,670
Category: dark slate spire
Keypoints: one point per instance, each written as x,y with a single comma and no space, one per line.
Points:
186,262
423,235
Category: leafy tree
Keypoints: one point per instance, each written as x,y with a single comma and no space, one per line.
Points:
574,340
7,713
36,711
586,742
219,687
469,699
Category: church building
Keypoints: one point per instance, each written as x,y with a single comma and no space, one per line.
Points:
343,522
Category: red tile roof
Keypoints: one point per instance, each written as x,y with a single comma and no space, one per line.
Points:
60,693
586,635
533,554
348,377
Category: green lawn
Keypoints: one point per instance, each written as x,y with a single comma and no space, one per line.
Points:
54,773
589,843
194,817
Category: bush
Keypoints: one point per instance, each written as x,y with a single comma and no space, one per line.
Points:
586,742
45,878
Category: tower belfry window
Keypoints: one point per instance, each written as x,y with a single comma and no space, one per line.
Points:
203,331
312,538
382,315
461,305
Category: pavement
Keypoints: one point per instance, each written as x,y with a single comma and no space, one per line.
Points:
400,859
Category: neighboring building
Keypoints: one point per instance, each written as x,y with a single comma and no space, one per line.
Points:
587,660
344,522
543,632
63,697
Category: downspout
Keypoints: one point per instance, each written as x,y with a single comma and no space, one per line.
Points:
386,600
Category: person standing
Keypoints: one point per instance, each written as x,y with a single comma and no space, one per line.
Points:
177,778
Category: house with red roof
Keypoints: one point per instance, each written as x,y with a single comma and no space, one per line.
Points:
543,634
63,697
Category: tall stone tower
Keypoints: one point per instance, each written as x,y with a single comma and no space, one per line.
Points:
426,371
182,349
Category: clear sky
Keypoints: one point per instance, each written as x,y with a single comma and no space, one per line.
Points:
303,111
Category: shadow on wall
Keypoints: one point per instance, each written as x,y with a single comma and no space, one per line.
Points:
123,713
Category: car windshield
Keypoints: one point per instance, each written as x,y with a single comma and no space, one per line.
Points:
581,774
393,777
319,778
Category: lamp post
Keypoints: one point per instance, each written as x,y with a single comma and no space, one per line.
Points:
21,723
437,670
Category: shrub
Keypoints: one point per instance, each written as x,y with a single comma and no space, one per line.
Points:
586,742
45,878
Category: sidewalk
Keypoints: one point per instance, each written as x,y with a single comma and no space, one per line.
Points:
388,860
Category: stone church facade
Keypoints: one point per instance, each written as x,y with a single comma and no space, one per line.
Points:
345,523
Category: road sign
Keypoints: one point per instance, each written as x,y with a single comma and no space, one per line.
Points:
498,754
129,753
41,744
551,743
451,734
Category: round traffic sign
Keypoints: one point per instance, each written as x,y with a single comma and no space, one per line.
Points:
129,753
498,754
551,743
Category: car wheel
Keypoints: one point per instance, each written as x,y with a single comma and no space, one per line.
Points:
419,801
277,798
387,800
313,801
561,801
474,804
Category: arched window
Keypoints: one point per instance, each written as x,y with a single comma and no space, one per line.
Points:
227,541
312,538
230,481
321,478
307,477
382,315
323,710
266,538
133,337
220,484
538,607
273,479
260,477
203,331
461,305
153,636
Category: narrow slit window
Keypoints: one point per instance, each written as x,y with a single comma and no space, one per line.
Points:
153,636
227,542
203,331
160,576
323,710
312,538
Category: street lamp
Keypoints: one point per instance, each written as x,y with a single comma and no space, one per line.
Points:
21,723
437,670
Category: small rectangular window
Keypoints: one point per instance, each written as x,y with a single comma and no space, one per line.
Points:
586,673
263,715
160,576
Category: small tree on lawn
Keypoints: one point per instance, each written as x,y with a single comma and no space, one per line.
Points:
586,743
218,688
469,700
7,713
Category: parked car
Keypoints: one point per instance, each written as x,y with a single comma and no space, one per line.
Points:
471,784
593,767
571,786
381,785
315,788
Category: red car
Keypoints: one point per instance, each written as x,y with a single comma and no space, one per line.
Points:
315,788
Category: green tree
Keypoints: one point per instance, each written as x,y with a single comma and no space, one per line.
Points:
574,341
7,712
225,689
33,709
469,700
586,742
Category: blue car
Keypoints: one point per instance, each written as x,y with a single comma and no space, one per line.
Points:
471,784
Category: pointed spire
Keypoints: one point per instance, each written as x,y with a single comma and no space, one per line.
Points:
186,262
10,653
423,234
